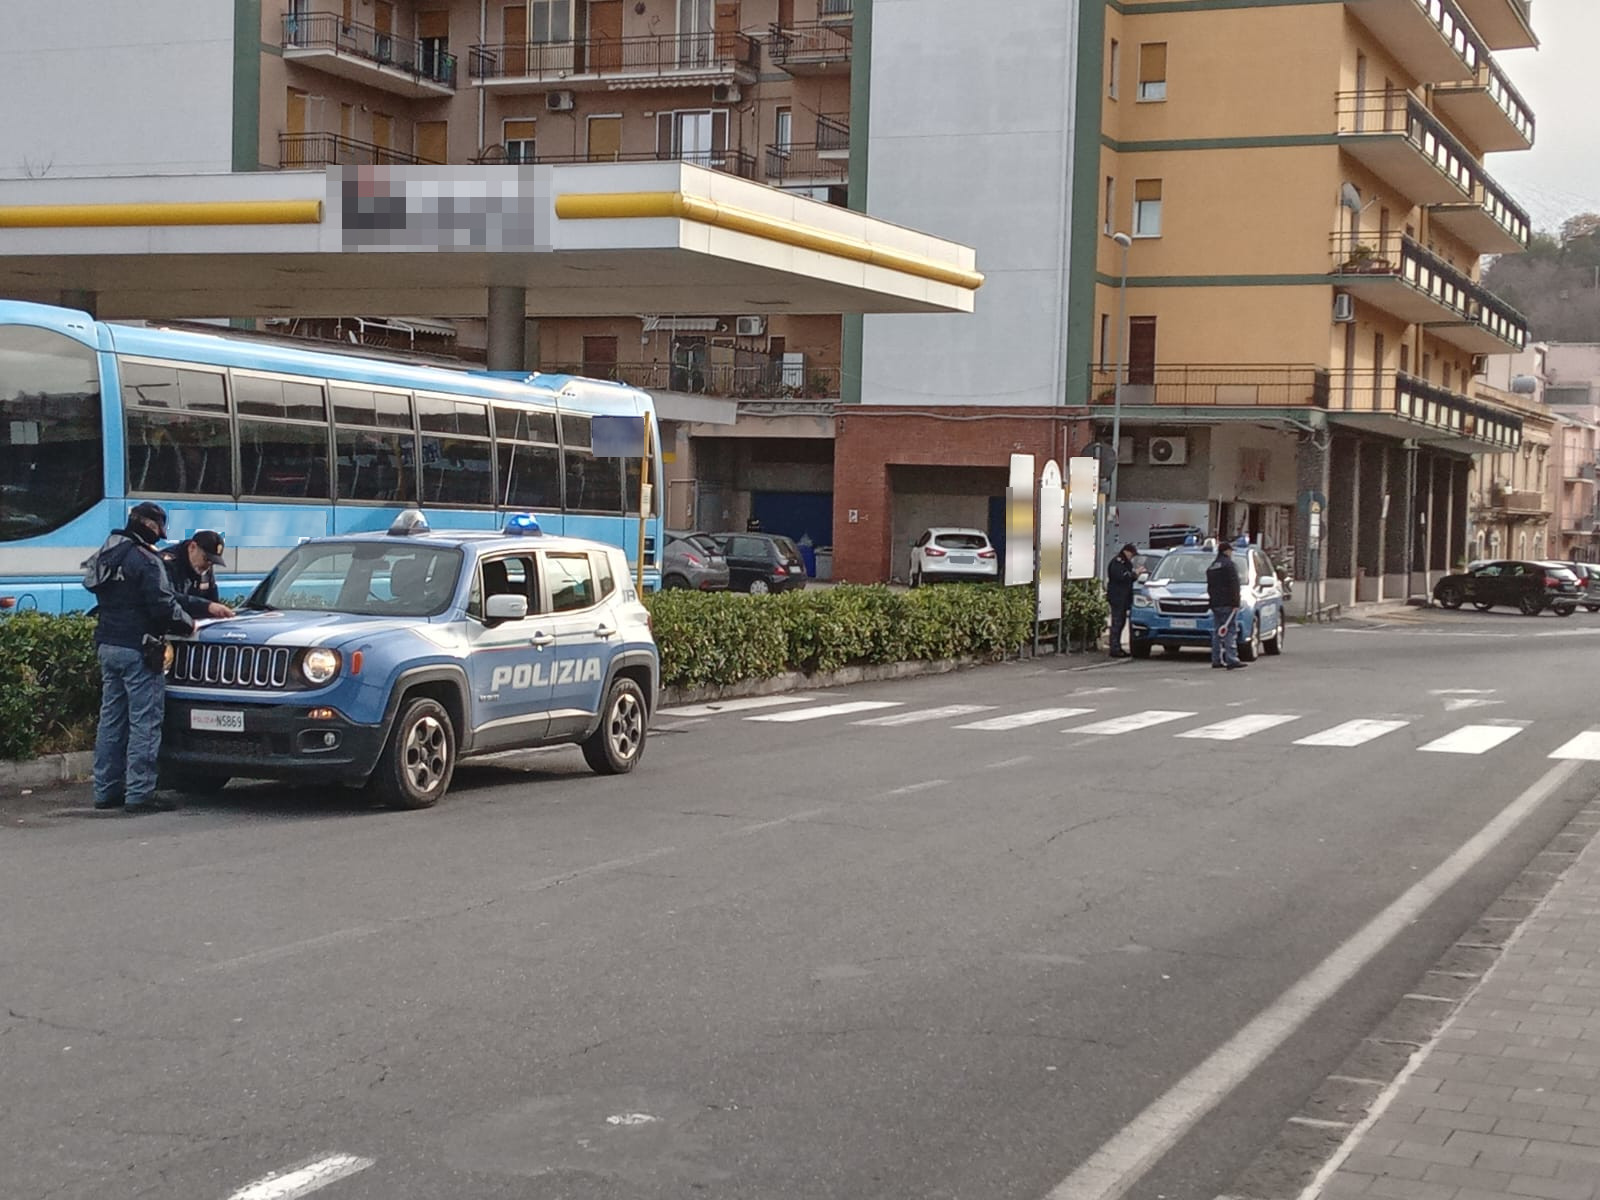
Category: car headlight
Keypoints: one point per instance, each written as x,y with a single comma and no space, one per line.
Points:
319,666
1143,602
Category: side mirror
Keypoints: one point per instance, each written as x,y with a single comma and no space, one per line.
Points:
505,607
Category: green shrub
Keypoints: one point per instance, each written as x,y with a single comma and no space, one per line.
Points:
1085,610
49,684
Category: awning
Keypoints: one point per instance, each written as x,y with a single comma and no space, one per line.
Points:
680,324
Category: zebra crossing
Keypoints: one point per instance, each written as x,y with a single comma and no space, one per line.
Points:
1444,734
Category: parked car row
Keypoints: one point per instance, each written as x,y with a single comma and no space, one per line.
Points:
758,563
1530,586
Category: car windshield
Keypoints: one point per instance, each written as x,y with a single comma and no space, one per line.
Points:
1184,568
787,548
961,541
398,578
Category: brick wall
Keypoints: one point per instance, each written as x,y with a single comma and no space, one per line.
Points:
868,440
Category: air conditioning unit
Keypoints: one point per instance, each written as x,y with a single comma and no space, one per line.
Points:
1344,308
1125,452
1169,451
559,101
726,93
750,326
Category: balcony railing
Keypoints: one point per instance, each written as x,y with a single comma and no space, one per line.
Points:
657,56
1503,24
750,376
833,133
808,46
836,9
805,160
304,150
424,60
1438,413
1215,385
1519,501
1488,109
733,162
1400,276
1431,38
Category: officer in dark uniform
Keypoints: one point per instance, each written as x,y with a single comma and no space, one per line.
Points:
190,563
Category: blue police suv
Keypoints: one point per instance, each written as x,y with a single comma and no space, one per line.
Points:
1170,608
384,659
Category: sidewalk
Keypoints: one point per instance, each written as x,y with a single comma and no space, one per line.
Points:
1505,1102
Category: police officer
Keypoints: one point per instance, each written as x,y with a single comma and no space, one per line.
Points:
137,608
190,563
1120,576
1222,591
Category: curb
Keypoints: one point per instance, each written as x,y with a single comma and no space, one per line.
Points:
48,768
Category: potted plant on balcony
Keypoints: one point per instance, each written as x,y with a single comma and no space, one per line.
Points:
1363,258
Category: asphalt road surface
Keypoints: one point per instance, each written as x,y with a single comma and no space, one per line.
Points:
1013,933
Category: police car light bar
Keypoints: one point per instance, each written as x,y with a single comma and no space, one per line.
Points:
522,523
408,522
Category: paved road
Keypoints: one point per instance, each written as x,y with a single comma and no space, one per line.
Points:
903,940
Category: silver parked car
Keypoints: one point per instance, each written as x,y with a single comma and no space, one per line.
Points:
693,560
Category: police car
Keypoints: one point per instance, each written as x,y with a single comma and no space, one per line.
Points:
385,659
1171,609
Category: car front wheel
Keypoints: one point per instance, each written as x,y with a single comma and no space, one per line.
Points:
759,587
420,757
1565,610
1250,648
1450,597
1531,606
1139,648
617,745
1275,646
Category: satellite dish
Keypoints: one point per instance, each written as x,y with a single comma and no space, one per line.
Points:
1350,197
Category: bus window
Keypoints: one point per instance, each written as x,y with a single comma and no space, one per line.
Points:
364,406
178,439
50,465
457,458
528,474
524,425
285,454
593,484
373,462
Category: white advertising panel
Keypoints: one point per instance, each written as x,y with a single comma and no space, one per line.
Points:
1019,521
1052,536
1083,503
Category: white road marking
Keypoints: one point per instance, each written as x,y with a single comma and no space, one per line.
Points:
927,714
1462,692
1352,733
1585,747
1131,723
1240,727
916,787
791,819
827,710
1037,716
1114,1168
273,952
717,707
1463,702
1010,762
302,1181
1472,739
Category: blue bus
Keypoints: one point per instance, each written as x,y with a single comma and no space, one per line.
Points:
271,444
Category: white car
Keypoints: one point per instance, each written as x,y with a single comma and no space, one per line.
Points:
948,553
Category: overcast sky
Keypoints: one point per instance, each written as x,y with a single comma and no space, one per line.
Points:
1560,176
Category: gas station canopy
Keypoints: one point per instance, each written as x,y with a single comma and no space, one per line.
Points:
556,240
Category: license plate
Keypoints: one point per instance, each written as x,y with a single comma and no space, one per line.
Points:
962,560
217,720
1186,623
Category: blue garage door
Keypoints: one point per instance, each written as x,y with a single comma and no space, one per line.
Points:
795,514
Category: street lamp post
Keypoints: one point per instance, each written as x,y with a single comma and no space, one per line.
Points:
1125,242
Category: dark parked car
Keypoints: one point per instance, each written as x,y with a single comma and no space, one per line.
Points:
1589,581
693,560
762,562
1530,587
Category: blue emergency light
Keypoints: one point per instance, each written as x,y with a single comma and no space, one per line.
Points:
1242,542
1192,540
523,524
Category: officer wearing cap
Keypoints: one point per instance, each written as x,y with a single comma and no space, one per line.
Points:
190,563
137,608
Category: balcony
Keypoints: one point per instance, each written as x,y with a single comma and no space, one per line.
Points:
1397,276
616,64
1519,503
1216,385
1394,136
827,160
732,162
308,151
834,12
1502,24
1429,38
1401,405
1488,109
403,67
1581,473
1490,222
810,48
749,376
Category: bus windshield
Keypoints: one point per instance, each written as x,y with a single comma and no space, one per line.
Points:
49,431
391,579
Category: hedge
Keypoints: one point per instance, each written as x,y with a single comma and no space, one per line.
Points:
50,677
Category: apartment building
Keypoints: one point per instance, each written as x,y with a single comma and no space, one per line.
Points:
1513,493
1306,196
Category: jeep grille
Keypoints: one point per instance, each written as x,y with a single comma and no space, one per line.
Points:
216,664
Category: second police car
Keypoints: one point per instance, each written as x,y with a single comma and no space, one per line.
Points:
1171,608
384,659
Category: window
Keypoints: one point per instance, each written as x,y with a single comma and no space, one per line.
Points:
1111,204
528,470
399,578
694,137
592,484
1105,339
1113,68
518,139
178,438
286,453
569,581
457,458
603,573
1153,71
50,439
374,445
1147,208
550,20
513,576
783,130
433,37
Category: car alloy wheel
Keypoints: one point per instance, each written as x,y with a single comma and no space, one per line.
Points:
617,744
759,587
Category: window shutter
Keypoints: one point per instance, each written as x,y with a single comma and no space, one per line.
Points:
434,24
520,131
719,130
1147,189
1152,62
664,138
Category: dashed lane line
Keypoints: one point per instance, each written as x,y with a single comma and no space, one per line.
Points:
302,1181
